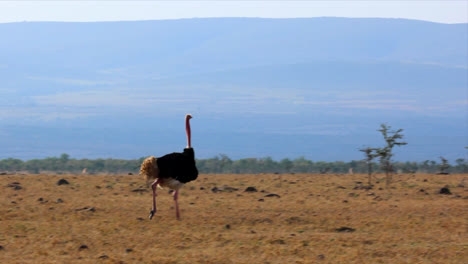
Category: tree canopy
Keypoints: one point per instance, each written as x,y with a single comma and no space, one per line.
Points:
222,164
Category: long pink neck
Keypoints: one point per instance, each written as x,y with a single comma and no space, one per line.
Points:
187,129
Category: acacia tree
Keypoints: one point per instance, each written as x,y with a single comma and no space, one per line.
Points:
444,165
370,153
385,154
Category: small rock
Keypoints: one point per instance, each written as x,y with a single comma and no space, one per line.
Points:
90,209
202,188
321,257
140,219
103,257
128,250
82,247
345,229
345,201
1,247
425,180
140,190
228,226
341,187
261,200
422,190
362,187
265,220
215,189
229,189
251,189
294,220
445,190
59,200
130,173
278,242
272,195
40,199
15,186
62,182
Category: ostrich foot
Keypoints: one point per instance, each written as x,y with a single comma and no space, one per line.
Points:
151,214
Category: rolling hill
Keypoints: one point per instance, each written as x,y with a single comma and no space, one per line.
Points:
317,87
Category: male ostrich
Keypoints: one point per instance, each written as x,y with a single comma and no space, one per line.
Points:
171,170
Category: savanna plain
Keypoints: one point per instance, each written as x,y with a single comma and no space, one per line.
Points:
285,218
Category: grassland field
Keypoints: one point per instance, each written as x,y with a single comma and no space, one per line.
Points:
311,219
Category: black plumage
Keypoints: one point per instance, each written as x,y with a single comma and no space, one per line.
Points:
178,166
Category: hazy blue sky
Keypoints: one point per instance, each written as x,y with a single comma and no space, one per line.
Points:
107,10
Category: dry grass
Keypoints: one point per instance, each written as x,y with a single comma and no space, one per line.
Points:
399,225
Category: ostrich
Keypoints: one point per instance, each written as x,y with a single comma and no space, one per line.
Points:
172,170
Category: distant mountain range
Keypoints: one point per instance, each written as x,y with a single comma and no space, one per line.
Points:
317,87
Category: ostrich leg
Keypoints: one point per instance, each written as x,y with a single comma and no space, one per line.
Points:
176,198
154,185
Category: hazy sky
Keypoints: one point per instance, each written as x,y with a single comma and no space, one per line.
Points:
107,10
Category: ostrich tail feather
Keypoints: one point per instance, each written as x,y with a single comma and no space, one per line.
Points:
149,169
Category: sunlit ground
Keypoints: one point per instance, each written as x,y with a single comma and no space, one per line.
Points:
316,219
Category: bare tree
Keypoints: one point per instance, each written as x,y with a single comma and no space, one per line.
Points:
385,154
370,153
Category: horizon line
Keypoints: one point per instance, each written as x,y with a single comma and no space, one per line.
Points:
228,17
